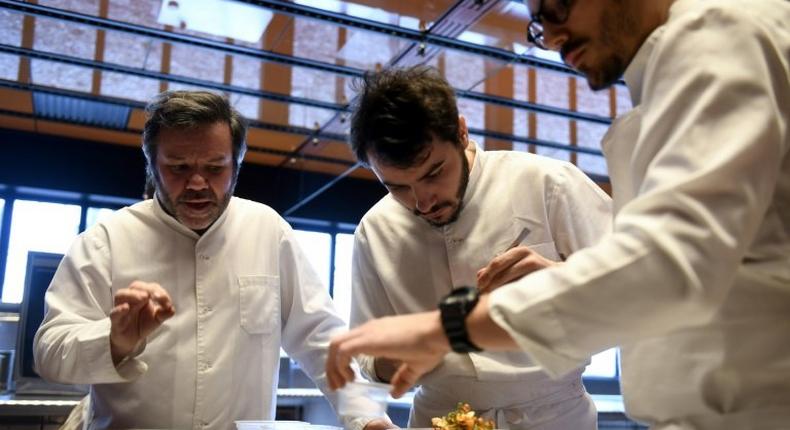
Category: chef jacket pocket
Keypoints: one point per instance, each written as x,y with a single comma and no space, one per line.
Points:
535,238
259,303
547,250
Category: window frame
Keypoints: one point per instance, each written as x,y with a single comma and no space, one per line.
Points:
594,385
10,194
329,227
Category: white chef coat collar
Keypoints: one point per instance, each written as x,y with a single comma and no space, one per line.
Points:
475,171
635,72
173,223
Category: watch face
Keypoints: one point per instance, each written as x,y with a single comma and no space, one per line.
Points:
462,296
454,308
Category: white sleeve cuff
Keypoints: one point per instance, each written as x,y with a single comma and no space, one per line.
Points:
534,339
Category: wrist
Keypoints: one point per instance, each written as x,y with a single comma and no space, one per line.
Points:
436,334
120,351
117,353
454,310
475,321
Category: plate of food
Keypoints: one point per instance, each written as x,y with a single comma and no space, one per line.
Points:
462,418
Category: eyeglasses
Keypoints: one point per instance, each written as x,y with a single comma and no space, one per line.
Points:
556,15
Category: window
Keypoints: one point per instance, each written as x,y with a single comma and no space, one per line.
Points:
95,215
2,205
344,246
603,365
317,247
36,226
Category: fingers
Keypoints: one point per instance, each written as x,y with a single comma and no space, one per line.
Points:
510,266
380,424
499,264
163,314
133,297
150,297
119,315
341,351
338,363
410,338
155,292
405,378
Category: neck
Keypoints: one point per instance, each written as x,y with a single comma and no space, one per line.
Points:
655,13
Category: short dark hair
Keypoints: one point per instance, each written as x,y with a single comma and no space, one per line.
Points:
183,110
399,112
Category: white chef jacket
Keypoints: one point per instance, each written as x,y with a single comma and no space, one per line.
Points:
241,291
402,264
695,280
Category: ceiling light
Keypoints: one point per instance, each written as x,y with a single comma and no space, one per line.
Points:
223,18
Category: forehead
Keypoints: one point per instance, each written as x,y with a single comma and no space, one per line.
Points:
207,140
435,152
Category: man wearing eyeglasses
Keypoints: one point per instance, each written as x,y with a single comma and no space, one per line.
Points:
694,283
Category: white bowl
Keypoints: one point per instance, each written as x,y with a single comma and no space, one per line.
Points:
271,425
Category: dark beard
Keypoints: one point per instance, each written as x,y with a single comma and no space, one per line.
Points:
613,22
607,76
459,195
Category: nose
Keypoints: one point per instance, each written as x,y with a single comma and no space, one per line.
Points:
424,200
197,182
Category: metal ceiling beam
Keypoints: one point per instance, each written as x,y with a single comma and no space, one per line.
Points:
152,74
533,107
290,129
536,142
295,9
271,151
16,85
451,24
168,36
108,24
320,190
274,127
351,166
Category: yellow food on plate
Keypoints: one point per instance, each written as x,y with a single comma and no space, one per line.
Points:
462,418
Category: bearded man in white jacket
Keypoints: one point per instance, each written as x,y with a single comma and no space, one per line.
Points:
694,281
451,209
174,309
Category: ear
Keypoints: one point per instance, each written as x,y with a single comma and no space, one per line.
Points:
463,132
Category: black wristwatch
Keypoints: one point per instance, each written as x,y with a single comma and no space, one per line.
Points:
454,309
